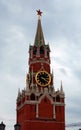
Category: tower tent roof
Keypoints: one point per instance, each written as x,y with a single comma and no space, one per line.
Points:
39,37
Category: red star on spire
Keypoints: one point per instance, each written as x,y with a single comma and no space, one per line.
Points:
39,12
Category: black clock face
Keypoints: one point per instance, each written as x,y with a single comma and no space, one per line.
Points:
43,78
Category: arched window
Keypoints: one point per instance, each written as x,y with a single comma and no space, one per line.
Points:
34,51
32,97
41,50
57,98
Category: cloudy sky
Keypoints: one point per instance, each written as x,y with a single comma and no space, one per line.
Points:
61,23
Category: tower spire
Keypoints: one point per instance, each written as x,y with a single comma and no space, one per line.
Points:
39,103
39,37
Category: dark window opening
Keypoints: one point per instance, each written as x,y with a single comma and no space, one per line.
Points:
34,51
41,50
48,53
32,97
58,98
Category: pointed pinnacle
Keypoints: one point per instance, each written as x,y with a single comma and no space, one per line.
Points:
19,92
61,88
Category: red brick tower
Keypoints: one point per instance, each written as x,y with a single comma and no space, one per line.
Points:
39,106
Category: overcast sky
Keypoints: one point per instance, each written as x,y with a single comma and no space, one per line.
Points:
61,23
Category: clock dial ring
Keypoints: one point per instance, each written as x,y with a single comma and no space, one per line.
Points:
43,78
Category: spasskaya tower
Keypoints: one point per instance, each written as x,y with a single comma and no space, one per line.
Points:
39,106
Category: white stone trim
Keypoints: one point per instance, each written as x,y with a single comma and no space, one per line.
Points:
37,111
47,95
38,61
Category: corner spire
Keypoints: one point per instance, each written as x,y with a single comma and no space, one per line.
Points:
19,93
61,88
27,83
39,37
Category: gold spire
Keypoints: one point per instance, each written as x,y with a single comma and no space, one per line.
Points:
39,37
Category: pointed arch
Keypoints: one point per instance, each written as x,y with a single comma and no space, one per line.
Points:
41,50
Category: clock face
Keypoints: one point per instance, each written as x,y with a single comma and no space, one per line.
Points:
43,78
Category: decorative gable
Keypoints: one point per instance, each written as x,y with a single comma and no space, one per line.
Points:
45,108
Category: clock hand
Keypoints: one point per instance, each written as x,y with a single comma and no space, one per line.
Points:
44,79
